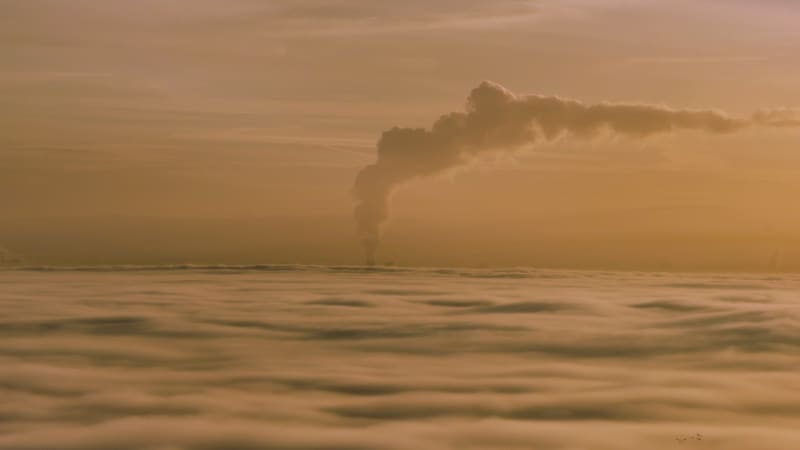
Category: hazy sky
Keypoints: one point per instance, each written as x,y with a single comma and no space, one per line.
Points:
245,108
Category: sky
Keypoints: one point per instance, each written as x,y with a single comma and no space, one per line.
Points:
121,119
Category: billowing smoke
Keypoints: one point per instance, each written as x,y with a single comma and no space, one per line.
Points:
497,120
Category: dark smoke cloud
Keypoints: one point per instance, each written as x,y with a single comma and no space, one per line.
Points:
497,120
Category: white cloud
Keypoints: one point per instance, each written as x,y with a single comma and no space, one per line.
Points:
335,358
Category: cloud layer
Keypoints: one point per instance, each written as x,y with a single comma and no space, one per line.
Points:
333,358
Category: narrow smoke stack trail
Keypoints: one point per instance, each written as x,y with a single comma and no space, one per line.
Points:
496,120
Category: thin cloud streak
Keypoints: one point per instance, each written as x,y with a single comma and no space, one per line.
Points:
657,60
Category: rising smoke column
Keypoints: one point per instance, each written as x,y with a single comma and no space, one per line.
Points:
497,120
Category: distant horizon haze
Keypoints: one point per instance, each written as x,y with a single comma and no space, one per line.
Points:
708,240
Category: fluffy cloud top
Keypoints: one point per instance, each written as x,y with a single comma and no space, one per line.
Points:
336,358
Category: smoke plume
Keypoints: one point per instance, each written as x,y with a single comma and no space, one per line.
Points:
497,120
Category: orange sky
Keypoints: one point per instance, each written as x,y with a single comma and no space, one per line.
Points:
236,109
